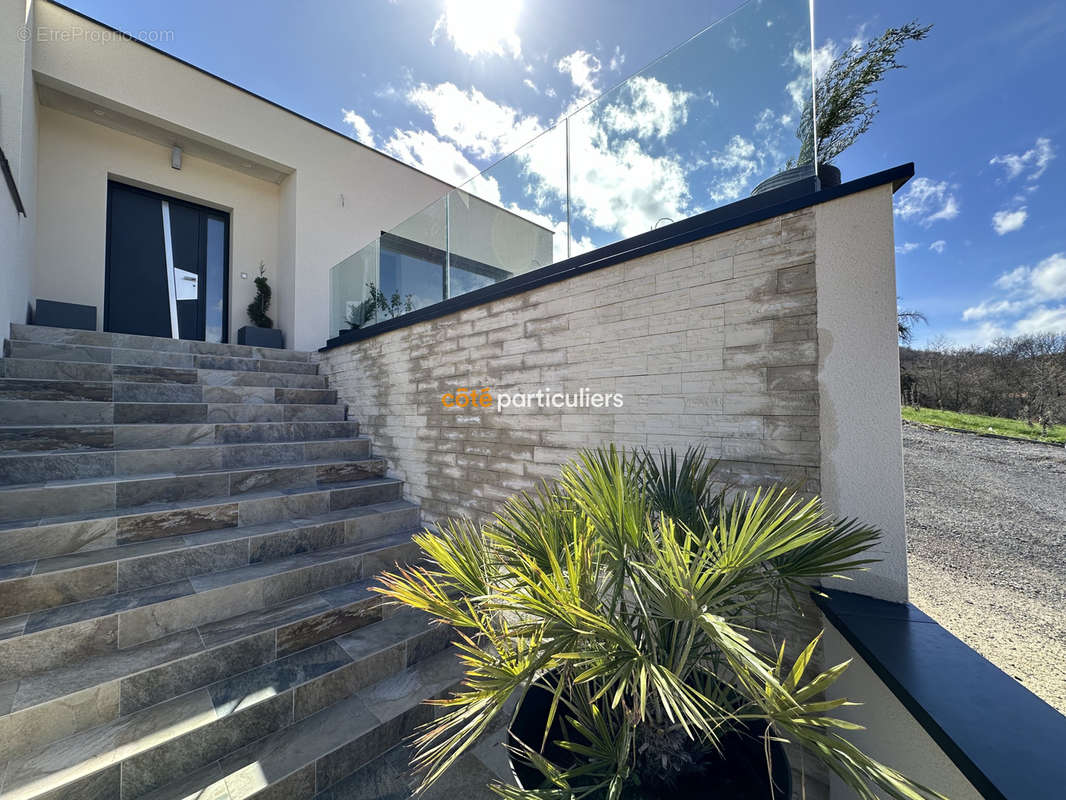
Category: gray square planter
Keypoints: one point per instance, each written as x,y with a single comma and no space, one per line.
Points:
260,337
65,315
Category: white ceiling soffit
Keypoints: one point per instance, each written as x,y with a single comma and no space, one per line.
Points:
72,100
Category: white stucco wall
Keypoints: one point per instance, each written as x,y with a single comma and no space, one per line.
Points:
858,379
18,136
377,191
77,157
892,735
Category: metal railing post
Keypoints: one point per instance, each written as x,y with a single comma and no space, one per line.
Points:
569,238
447,245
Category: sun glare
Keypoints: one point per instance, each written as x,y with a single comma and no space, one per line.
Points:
482,27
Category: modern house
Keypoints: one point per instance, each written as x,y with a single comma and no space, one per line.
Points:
189,527
124,185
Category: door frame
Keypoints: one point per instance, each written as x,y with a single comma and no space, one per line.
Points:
199,207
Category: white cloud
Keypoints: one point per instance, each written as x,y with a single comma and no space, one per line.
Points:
616,185
1013,279
531,85
984,334
739,164
799,88
1034,300
621,188
1046,281
939,246
360,127
1048,278
1005,221
618,58
1034,161
926,201
991,308
583,69
743,161
425,151
647,107
472,121
906,247
1041,320
949,210
560,250
481,27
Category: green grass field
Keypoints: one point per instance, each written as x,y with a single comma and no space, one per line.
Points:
980,424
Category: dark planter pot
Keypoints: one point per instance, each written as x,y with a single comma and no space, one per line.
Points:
738,771
65,315
260,337
828,176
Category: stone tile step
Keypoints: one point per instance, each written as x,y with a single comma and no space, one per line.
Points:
16,439
89,531
77,465
145,392
167,740
89,412
49,351
122,682
389,777
51,582
41,333
25,501
319,752
65,635
28,369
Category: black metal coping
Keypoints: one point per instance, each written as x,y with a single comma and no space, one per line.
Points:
748,211
1009,743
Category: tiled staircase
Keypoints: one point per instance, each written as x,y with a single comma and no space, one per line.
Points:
188,532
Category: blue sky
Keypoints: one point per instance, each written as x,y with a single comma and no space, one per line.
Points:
453,85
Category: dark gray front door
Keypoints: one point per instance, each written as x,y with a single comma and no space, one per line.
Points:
167,266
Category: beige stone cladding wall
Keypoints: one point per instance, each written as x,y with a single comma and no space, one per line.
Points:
711,343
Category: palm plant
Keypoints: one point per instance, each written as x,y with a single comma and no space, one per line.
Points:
635,594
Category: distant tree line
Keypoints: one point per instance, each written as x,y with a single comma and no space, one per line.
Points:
1020,377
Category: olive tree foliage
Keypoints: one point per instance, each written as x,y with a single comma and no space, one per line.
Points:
846,94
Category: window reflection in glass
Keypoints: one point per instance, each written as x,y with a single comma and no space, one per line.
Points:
216,279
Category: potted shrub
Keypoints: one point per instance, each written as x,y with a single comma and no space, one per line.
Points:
626,612
261,333
376,305
846,98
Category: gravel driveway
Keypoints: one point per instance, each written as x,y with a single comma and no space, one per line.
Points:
986,548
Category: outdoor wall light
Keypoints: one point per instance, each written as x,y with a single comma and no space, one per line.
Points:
175,157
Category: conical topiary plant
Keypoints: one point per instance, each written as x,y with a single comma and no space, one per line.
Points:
258,307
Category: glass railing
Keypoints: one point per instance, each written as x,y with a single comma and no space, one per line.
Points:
696,129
